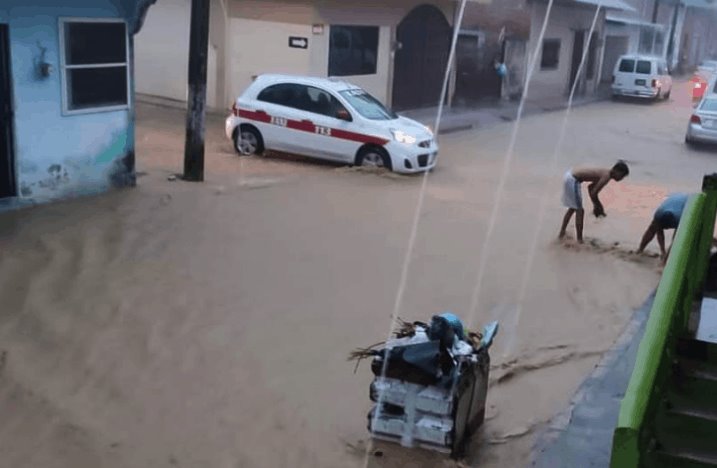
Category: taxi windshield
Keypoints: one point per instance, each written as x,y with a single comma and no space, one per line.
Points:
367,105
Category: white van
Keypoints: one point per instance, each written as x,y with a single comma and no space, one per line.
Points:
641,76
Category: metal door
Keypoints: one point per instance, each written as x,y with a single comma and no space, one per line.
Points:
423,43
578,48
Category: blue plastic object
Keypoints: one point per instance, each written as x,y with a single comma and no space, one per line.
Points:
455,323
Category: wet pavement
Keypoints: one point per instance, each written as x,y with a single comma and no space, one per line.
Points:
582,434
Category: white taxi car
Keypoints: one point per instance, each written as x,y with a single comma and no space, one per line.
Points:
327,119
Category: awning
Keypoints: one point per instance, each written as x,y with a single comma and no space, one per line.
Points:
710,4
608,4
632,21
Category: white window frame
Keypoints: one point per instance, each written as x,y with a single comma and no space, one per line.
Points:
64,67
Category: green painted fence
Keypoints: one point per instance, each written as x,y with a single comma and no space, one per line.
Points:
682,279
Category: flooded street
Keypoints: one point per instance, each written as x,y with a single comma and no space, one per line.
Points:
191,325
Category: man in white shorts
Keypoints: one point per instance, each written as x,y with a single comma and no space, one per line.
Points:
572,194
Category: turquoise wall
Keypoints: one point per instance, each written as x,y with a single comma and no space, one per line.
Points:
58,155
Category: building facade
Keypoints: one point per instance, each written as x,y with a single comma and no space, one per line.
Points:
375,45
67,124
490,32
698,37
681,31
162,52
561,50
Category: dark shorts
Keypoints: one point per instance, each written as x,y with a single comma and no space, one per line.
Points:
668,214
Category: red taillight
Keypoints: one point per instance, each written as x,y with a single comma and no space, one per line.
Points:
696,119
235,111
654,83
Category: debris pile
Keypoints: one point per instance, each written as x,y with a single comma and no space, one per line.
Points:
430,383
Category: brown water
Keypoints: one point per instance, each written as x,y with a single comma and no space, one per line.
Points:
190,325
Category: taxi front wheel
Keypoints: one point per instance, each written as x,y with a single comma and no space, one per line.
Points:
373,157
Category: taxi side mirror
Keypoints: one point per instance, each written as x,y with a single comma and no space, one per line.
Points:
343,114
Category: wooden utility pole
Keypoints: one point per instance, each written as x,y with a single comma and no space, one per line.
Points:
671,40
197,84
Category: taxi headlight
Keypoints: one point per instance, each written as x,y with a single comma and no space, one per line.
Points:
402,137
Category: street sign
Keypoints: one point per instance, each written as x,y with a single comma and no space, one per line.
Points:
298,42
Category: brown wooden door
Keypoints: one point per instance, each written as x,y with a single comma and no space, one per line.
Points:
578,47
467,68
424,39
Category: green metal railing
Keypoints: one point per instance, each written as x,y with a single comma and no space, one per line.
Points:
681,281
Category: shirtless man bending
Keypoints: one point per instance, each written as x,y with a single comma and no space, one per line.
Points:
572,193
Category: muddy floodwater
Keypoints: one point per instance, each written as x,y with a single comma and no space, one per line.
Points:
208,325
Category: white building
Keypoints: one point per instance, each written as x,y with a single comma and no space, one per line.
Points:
162,52
562,47
642,29
396,49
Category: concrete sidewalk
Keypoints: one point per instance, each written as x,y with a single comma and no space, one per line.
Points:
456,119
582,435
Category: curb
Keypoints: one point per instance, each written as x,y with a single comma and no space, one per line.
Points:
618,355
502,117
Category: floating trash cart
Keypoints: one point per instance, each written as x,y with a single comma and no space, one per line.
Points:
430,384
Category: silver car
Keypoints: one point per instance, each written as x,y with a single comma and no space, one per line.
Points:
703,123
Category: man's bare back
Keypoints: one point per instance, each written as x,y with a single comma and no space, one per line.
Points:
597,179
591,174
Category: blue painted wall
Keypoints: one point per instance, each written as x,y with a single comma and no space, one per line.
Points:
56,155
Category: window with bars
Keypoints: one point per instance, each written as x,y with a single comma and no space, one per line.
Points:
94,65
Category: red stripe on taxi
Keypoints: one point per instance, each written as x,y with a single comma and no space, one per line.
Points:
308,126
361,138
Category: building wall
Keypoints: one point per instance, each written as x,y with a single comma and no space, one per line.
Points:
162,52
619,40
625,30
271,23
514,15
246,61
698,38
508,20
563,22
250,37
61,155
161,63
